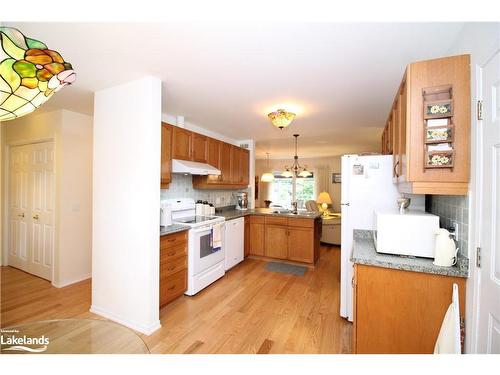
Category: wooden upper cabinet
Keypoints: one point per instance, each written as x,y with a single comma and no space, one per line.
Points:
405,135
236,175
245,166
200,148
214,152
166,155
225,163
182,143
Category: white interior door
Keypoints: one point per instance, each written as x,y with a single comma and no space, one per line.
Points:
489,287
19,210
32,208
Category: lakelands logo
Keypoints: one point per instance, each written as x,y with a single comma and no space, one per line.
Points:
10,342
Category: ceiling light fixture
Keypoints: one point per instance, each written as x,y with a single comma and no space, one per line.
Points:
267,176
281,118
30,74
296,169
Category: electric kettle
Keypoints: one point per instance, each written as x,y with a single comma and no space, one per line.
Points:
445,251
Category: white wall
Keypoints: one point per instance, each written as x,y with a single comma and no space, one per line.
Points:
480,40
332,162
126,195
75,225
72,135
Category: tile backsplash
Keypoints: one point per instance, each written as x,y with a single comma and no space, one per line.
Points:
182,187
452,209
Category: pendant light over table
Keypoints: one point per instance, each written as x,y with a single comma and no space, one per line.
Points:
267,176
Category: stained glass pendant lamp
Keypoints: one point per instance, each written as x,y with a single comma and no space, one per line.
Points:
281,118
30,74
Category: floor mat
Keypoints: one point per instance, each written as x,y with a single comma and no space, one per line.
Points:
286,268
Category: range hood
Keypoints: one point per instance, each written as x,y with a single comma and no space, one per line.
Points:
192,167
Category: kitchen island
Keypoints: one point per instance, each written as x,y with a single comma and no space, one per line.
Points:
284,236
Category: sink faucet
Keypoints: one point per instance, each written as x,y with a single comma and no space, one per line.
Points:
294,206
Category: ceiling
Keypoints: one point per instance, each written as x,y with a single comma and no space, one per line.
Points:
340,78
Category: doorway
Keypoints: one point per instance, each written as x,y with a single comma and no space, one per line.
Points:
488,300
31,208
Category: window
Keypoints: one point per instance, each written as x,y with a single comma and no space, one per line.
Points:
305,190
282,190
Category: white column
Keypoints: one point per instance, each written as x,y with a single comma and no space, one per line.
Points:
126,194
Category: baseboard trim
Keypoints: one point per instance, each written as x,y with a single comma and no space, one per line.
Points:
147,330
71,281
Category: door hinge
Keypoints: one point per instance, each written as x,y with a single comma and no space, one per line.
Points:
478,257
479,109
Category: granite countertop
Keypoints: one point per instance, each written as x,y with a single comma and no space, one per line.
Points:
363,252
231,213
174,228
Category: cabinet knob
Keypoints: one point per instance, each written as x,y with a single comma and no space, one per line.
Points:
21,214
36,217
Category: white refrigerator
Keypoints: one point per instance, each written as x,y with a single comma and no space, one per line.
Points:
366,187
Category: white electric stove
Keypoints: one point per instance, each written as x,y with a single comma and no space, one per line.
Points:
205,263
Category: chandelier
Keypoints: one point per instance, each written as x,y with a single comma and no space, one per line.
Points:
30,73
296,169
281,118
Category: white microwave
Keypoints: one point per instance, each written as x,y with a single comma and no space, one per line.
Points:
412,233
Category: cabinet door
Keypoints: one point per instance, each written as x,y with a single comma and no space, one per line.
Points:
225,163
247,237
200,148
166,155
181,144
401,171
256,239
301,244
235,165
276,242
396,112
245,166
214,147
453,71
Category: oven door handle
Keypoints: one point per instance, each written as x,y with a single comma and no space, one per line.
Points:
207,228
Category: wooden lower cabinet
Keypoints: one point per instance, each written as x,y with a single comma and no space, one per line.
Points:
257,234
294,239
301,245
400,312
276,242
247,237
173,266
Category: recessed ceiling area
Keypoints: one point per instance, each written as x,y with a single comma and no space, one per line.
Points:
338,77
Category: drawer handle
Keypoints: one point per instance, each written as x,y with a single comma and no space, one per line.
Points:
171,253
171,268
172,287
172,239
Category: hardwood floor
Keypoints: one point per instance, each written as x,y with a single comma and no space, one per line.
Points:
250,310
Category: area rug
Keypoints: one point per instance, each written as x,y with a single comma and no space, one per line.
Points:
291,269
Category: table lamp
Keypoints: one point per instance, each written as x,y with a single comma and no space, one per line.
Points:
324,199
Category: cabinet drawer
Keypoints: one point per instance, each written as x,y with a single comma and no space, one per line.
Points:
274,220
257,219
302,223
172,286
169,253
169,266
172,240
